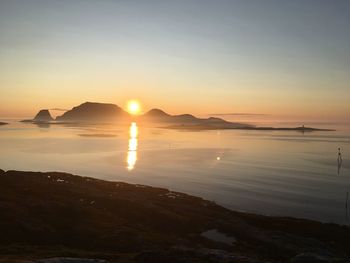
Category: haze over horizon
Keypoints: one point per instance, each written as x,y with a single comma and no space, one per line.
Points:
280,58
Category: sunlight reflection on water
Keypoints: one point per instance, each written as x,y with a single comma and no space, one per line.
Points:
132,149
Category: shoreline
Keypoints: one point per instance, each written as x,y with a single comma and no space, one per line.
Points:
60,214
209,127
189,127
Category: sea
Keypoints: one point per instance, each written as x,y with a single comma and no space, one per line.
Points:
276,173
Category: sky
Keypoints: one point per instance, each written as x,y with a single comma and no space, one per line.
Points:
276,57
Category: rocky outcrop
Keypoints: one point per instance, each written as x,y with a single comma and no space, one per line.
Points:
43,116
66,215
69,260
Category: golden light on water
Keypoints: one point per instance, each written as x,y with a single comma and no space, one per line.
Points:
133,107
132,149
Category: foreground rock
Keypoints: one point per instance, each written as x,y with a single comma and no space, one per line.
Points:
50,215
68,260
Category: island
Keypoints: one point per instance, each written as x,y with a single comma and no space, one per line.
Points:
94,112
3,123
57,215
43,116
159,117
234,126
105,113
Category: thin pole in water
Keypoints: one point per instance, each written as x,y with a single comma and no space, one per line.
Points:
346,204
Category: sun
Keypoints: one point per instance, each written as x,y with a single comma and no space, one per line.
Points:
133,107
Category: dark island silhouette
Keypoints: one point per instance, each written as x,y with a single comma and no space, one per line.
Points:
43,116
47,215
94,113
187,120
3,123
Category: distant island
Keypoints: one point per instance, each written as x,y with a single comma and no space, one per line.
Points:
233,127
3,123
41,116
94,113
49,215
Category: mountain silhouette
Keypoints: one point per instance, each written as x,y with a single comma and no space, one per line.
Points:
43,116
160,116
156,113
97,112
93,112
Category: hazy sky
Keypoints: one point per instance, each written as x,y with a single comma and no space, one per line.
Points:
277,57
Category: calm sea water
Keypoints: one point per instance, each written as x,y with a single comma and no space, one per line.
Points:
284,173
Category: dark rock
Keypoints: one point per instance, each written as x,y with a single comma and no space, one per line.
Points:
156,113
61,214
43,116
312,258
93,112
159,116
183,255
70,260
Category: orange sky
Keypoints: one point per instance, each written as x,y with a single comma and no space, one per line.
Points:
286,60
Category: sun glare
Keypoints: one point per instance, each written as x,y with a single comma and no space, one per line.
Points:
133,107
132,151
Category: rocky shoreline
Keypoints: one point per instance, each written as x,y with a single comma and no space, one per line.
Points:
55,217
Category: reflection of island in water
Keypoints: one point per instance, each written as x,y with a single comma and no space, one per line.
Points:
132,150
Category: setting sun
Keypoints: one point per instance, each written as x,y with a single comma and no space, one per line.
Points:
133,107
